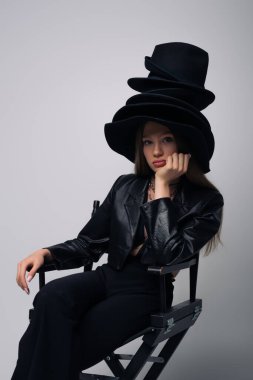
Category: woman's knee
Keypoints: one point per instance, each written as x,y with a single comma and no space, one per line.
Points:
51,294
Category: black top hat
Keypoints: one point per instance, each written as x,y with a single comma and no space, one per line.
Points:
178,65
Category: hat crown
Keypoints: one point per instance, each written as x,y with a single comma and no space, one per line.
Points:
183,61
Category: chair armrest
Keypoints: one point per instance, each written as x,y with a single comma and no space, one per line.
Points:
191,263
50,266
46,267
162,270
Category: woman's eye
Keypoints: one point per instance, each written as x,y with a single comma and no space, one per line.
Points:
165,139
145,142
168,139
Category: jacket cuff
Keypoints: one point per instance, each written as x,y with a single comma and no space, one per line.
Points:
62,258
160,216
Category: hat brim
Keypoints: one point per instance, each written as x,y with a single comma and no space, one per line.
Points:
121,135
148,97
203,97
186,94
169,112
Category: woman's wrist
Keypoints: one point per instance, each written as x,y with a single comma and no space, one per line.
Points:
162,189
46,253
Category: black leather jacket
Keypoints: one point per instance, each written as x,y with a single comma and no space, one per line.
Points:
177,228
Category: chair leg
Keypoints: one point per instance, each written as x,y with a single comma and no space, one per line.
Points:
114,364
138,361
166,353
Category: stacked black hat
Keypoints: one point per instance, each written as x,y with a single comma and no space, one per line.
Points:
173,94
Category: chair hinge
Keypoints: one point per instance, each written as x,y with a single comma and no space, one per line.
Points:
170,324
197,311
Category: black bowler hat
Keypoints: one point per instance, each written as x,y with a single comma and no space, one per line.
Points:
177,65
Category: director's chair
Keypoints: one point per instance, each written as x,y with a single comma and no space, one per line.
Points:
167,324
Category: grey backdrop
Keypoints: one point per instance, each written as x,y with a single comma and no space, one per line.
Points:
63,72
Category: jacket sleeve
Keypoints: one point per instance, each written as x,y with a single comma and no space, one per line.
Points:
91,242
169,241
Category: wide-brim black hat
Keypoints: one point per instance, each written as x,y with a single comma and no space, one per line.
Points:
171,113
154,97
186,94
121,135
200,98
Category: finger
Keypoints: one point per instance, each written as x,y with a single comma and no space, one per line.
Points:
181,162
17,276
175,161
19,279
22,280
186,162
29,276
32,272
169,162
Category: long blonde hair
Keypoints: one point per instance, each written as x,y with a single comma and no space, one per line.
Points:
194,174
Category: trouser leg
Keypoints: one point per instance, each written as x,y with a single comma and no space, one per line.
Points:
45,348
132,296
108,324
80,319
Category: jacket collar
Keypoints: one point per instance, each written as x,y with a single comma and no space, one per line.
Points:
139,188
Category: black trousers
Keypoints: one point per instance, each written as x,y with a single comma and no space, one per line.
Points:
81,318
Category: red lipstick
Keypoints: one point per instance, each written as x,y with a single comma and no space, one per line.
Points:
159,163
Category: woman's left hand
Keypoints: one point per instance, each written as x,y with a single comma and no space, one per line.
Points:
176,165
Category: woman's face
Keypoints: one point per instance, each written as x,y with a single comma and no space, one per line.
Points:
158,143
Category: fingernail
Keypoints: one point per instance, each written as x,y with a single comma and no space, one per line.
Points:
26,290
29,278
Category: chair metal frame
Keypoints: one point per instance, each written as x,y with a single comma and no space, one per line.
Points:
168,323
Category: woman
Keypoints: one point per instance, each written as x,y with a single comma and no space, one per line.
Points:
162,214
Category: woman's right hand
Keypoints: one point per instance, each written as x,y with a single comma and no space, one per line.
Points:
31,263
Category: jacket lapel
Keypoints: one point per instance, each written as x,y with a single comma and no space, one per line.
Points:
136,197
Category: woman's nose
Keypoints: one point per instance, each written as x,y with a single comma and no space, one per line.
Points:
157,150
